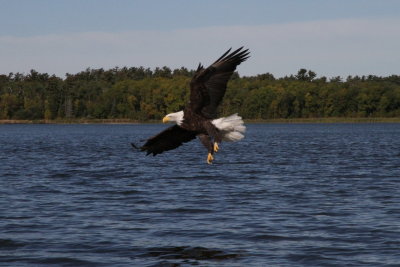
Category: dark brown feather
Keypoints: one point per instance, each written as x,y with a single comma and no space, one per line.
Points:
168,139
208,86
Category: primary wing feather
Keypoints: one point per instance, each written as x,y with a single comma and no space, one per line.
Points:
168,139
208,86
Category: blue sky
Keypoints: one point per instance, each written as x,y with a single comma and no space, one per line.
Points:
340,37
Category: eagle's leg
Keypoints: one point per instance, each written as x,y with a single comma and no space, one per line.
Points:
210,158
206,141
216,147
214,133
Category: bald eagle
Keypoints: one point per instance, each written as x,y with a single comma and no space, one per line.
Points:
199,117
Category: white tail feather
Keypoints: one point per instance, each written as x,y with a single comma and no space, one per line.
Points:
231,127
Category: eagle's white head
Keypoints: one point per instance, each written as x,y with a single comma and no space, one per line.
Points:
176,117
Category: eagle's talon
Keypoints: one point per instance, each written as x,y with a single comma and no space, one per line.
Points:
216,147
210,158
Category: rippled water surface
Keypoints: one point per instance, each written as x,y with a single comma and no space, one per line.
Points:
286,195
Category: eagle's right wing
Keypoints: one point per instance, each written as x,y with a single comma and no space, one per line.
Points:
168,139
208,86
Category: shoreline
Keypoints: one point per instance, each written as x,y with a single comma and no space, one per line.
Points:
329,120
281,120
72,121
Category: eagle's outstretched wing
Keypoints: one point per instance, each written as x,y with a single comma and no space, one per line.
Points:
168,139
208,86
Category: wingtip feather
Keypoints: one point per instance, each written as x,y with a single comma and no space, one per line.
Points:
134,146
237,56
221,57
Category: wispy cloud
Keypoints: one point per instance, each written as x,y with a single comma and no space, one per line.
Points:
336,47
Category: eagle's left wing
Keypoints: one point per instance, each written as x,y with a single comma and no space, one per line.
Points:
208,86
168,139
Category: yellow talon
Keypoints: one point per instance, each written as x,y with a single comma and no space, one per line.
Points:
216,147
210,158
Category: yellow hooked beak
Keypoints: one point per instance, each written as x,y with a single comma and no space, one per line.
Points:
165,119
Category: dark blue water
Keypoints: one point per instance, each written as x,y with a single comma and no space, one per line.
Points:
286,195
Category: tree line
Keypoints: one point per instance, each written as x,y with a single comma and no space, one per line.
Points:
143,94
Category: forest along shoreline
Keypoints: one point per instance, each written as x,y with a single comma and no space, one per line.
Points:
282,120
133,95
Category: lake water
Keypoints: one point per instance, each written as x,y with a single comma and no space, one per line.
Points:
286,195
